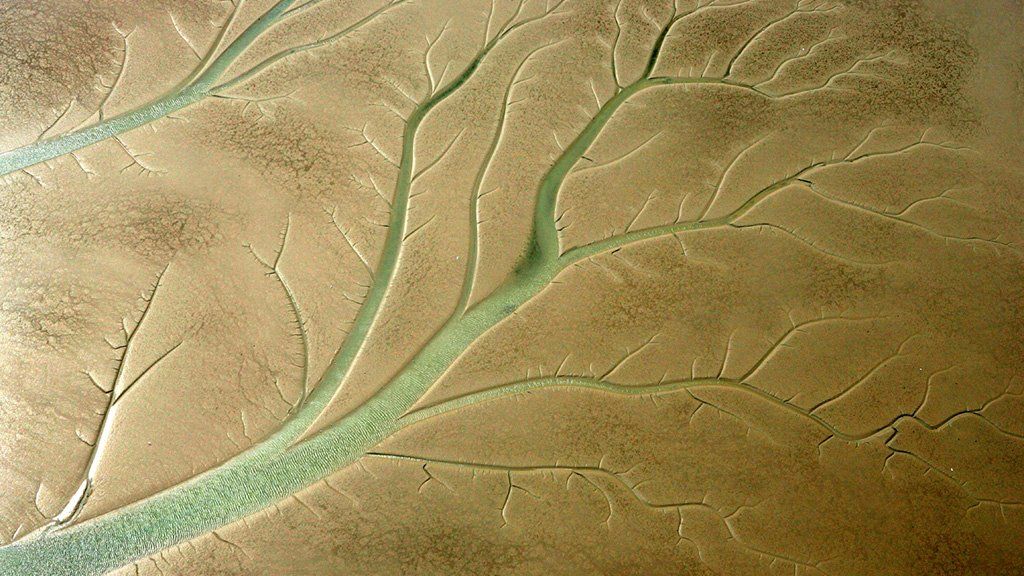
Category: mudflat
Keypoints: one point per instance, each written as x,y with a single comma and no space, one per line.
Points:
512,287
